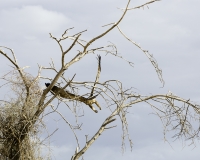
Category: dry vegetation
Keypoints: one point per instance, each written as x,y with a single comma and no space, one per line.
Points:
18,141
21,112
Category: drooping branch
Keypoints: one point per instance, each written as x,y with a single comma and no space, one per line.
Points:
182,118
150,57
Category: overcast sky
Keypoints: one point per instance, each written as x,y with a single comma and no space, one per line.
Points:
169,29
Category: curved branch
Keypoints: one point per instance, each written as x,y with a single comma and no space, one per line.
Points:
151,58
103,34
164,97
17,67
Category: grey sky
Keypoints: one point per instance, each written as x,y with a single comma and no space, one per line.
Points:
169,29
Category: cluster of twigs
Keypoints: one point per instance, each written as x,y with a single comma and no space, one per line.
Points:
16,141
20,116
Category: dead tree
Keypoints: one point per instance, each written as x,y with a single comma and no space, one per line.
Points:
20,116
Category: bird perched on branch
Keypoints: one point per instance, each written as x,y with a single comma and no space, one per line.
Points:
65,94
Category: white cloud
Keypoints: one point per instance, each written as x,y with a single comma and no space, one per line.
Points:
31,20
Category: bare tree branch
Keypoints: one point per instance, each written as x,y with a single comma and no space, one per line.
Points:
21,117
142,6
151,58
76,156
97,76
14,62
